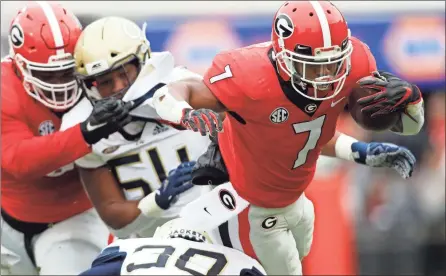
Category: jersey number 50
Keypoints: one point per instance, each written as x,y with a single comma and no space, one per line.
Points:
138,179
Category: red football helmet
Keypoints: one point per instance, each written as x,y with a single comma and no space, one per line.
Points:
42,38
312,47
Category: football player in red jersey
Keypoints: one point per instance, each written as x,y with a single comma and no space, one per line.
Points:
283,99
47,219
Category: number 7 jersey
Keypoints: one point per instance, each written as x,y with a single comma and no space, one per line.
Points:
273,136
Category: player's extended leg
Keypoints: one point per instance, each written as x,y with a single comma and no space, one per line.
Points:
69,247
303,229
272,239
14,259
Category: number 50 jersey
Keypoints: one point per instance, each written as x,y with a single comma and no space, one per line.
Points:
141,165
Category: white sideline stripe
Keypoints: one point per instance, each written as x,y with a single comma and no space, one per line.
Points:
54,25
324,23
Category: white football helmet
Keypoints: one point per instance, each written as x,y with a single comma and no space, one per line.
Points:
106,48
177,228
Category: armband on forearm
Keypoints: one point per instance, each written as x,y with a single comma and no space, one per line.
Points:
167,107
343,147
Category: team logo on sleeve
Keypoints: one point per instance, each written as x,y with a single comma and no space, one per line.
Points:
279,115
16,36
46,128
283,26
269,222
227,199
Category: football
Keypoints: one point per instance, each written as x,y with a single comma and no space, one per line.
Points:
364,119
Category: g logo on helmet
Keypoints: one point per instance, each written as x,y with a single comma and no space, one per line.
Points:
227,199
283,26
16,36
269,222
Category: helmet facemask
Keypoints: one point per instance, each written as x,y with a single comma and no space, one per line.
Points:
102,84
53,83
325,71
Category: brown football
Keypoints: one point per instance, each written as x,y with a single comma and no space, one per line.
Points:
378,123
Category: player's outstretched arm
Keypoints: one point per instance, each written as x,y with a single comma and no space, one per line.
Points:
372,154
125,217
106,196
26,156
191,104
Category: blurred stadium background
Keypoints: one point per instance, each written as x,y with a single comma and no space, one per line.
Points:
368,221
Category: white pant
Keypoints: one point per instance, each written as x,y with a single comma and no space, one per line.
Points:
282,237
278,237
67,248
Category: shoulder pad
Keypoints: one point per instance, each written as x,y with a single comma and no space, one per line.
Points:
162,61
362,60
181,72
162,65
77,114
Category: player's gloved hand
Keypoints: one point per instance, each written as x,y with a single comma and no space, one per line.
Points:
210,168
177,182
251,272
394,94
202,120
108,116
385,155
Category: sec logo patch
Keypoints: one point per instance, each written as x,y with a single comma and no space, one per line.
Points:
279,115
46,128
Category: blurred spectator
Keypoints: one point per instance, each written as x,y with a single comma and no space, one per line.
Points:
400,223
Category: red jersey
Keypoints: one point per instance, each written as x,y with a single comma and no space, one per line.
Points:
273,136
37,185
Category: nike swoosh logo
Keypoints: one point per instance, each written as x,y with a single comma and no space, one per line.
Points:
91,128
338,101
206,210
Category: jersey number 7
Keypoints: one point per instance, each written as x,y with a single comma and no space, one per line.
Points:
315,129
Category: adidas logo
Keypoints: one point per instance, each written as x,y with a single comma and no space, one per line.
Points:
159,129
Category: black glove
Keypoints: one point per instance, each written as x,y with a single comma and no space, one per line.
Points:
210,168
202,120
108,116
251,272
394,94
176,183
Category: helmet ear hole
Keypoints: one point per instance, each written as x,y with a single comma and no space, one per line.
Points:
113,54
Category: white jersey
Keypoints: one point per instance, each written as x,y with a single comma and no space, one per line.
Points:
154,256
141,165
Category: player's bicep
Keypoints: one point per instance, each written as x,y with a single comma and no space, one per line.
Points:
199,96
101,186
107,197
223,79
